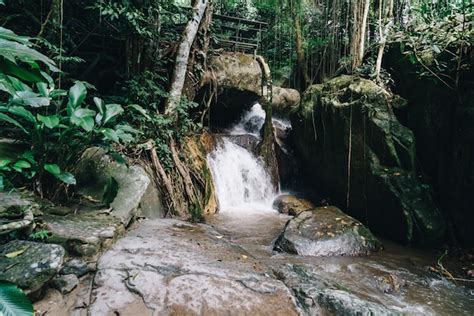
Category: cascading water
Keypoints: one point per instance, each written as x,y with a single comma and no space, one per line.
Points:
241,181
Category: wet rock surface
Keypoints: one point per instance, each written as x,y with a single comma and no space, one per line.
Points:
384,189
291,205
83,234
173,267
326,231
30,264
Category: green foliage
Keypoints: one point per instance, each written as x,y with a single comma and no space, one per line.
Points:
55,126
40,235
13,302
439,41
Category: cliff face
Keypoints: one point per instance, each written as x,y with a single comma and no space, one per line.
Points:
353,147
442,121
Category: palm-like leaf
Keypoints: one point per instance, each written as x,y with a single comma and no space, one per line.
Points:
13,302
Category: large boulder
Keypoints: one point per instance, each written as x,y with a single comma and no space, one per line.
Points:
30,265
238,80
442,120
351,118
130,188
326,231
284,100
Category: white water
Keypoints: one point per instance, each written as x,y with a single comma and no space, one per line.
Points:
242,184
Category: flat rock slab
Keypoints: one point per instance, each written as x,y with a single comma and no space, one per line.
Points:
84,234
29,264
171,267
326,231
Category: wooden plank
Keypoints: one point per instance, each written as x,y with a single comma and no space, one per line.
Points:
237,20
249,45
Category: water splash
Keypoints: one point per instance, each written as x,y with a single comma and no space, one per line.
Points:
242,184
251,122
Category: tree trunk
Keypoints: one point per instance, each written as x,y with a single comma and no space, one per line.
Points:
182,56
385,22
362,30
301,73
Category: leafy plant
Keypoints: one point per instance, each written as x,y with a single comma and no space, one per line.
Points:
13,302
53,125
39,235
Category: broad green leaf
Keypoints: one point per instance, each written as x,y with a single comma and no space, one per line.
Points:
28,155
50,121
19,52
83,118
110,134
2,185
13,302
43,89
126,128
4,162
67,178
125,137
21,164
6,85
53,169
10,35
112,110
99,103
21,72
141,110
18,85
6,118
22,112
30,98
77,94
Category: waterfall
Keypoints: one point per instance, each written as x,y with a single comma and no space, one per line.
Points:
241,181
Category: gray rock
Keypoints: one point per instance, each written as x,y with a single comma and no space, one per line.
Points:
326,231
284,100
65,283
382,158
291,205
238,78
85,233
319,296
77,267
174,267
30,264
95,171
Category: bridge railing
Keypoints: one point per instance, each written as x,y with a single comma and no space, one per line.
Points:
237,34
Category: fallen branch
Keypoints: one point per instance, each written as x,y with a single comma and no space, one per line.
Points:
16,225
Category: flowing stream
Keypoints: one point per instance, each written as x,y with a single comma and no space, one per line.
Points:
246,218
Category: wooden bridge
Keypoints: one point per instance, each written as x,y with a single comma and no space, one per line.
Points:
237,34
